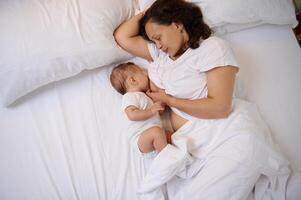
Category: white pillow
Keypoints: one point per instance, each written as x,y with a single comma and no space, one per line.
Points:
45,41
234,15
144,4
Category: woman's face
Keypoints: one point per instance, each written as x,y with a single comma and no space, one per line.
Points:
168,38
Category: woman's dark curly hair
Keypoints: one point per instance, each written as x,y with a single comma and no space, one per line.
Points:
164,12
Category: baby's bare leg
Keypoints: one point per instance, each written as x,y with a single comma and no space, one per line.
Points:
151,139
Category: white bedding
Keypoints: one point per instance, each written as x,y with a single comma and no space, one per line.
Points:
46,41
67,139
270,60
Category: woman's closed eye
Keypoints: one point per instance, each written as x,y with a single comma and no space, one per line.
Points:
156,38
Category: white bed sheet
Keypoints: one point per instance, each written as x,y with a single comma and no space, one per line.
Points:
67,139
62,143
270,61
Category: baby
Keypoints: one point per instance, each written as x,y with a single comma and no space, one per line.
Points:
145,125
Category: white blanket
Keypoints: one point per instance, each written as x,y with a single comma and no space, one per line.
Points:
242,138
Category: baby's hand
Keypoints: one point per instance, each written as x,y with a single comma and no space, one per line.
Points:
157,106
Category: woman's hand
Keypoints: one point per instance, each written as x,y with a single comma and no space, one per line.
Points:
158,95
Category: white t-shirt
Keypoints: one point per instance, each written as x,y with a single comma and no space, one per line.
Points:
142,102
185,77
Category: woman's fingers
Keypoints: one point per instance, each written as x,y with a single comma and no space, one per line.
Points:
155,96
159,95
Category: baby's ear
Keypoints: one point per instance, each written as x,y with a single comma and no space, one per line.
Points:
132,80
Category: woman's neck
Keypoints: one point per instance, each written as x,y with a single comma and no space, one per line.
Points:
180,52
184,47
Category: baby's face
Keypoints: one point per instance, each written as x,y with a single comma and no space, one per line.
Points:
143,80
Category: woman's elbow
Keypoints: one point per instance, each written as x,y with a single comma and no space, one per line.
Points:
121,40
119,36
224,111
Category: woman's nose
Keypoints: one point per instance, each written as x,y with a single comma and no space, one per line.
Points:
158,44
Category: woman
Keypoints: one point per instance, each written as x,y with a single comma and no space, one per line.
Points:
195,76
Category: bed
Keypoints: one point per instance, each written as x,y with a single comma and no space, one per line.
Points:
67,139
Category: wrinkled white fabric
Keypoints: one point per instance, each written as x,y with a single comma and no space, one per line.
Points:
250,148
46,41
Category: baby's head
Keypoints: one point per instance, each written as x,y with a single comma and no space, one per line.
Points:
128,77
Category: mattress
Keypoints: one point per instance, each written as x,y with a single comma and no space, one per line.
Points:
67,140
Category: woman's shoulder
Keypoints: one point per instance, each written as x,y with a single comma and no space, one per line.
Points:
213,46
213,52
214,42
210,45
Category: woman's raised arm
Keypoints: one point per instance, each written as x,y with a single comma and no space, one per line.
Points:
126,35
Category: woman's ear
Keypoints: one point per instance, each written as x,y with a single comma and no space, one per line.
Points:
178,26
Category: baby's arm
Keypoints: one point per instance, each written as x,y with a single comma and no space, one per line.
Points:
136,114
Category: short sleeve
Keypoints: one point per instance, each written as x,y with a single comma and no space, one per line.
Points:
129,99
154,70
215,52
154,52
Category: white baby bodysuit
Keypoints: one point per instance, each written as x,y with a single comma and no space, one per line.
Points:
142,102
185,77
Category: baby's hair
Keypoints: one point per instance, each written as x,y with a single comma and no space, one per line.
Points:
120,74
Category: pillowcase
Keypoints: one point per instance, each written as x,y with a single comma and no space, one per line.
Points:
144,4
46,41
234,15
